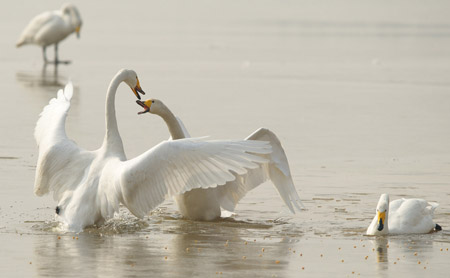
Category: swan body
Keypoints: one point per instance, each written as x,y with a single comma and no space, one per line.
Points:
90,185
49,28
206,204
403,216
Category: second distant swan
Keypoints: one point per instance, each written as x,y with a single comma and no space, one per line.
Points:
51,28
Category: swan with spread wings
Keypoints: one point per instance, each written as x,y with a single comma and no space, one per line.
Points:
90,185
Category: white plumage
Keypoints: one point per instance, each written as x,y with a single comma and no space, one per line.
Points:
403,216
50,28
90,185
206,204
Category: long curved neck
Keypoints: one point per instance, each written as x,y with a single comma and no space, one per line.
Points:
172,123
113,142
69,25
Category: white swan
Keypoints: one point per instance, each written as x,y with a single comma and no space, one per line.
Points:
403,216
50,28
205,204
90,185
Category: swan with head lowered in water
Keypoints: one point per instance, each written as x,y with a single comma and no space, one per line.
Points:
90,185
51,28
403,216
206,204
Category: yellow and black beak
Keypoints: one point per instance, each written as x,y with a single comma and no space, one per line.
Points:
77,30
144,105
381,220
137,90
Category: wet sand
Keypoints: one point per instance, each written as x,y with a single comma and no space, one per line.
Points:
358,93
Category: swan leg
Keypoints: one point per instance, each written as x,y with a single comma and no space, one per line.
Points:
56,53
56,61
44,54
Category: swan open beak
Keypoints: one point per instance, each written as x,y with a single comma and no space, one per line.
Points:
381,220
146,108
137,90
77,30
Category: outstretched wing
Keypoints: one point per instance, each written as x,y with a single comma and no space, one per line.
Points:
277,170
61,163
175,167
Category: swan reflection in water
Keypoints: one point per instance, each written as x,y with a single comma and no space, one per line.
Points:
380,245
401,250
162,245
47,77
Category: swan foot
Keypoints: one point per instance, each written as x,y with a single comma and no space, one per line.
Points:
58,62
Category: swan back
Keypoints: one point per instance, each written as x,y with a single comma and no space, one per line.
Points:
412,216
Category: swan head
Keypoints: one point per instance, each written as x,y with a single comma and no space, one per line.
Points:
131,79
154,106
379,224
74,17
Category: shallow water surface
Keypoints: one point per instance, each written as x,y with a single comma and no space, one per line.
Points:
357,92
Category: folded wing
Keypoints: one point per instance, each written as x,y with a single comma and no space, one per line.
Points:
35,27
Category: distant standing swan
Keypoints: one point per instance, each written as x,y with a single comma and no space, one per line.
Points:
205,204
50,28
90,185
403,216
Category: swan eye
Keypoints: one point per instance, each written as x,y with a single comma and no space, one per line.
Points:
153,101
57,210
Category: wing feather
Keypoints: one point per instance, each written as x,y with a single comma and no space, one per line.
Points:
277,170
175,167
61,164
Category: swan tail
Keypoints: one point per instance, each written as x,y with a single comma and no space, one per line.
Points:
20,43
432,207
437,228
